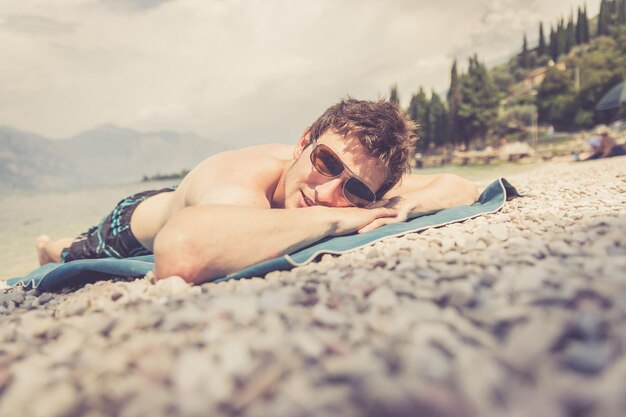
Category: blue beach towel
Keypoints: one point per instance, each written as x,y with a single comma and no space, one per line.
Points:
54,276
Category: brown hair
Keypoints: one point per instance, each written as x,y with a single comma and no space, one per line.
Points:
386,132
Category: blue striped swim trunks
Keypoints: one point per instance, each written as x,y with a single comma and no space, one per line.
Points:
112,237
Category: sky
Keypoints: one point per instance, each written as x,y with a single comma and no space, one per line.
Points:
239,71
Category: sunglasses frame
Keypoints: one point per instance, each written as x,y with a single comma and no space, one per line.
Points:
352,175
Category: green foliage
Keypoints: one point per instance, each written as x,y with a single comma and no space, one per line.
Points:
502,77
570,35
514,118
602,65
524,62
393,95
417,112
454,104
603,19
473,104
542,49
554,45
479,101
556,99
435,129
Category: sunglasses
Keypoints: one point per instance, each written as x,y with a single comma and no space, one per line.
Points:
327,163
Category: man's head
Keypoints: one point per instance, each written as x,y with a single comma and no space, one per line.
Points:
385,132
602,130
373,140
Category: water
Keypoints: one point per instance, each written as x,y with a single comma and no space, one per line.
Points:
67,213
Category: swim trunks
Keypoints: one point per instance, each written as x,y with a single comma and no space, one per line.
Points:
112,237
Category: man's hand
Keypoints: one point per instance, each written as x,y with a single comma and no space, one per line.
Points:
399,205
351,219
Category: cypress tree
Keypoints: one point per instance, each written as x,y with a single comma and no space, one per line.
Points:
454,103
561,37
393,95
554,45
524,55
602,19
542,41
579,27
417,112
570,35
586,34
436,120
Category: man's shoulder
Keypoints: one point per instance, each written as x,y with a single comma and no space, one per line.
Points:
228,176
275,150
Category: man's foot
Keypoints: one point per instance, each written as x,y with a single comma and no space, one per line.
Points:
42,241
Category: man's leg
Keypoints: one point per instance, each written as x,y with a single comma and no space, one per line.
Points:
49,250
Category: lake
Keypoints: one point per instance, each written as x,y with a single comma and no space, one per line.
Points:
62,213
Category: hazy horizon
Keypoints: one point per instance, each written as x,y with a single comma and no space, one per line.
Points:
244,71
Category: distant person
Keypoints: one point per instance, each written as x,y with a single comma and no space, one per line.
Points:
345,174
605,146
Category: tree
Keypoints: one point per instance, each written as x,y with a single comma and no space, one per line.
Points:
454,104
542,49
561,37
523,59
580,37
570,35
417,112
621,14
556,99
555,51
393,95
603,19
585,30
479,102
436,121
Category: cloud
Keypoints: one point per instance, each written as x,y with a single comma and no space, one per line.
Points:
133,5
37,25
242,70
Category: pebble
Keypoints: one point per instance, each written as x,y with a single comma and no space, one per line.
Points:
325,316
383,297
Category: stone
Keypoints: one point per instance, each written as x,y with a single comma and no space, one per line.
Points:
308,344
45,298
173,285
325,316
499,231
588,357
383,298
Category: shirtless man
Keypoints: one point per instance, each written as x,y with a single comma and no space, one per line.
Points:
346,174
606,145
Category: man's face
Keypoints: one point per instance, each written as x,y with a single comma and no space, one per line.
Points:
305,186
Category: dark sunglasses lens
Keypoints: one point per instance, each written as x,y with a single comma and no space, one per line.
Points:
326,162
358,193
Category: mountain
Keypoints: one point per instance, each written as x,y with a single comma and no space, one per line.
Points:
104,155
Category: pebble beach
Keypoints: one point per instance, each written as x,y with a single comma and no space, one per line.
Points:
516,313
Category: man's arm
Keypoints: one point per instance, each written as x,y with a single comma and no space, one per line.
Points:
424,193
417,194
201,243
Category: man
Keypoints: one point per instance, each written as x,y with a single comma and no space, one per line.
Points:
605,145
237,208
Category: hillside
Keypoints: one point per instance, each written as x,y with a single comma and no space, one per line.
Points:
104,155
